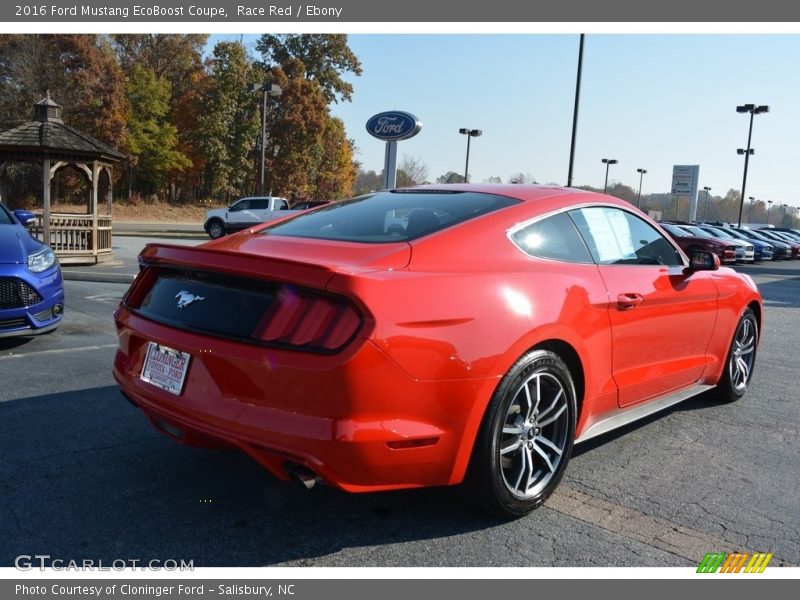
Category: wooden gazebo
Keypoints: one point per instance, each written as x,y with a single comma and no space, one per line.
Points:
75,238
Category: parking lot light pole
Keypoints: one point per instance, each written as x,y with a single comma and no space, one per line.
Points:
575,112
769,208
705,206
608,162
470,133
639,196
267,89
750,211
753,110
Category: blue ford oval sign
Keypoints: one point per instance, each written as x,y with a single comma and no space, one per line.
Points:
394,125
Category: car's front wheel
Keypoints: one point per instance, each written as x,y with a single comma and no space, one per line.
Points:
741,359
526,436
215,229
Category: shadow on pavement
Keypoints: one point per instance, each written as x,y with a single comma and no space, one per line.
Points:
84,476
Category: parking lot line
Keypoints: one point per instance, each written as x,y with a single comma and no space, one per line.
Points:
57,351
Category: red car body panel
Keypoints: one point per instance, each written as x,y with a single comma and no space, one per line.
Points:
443,318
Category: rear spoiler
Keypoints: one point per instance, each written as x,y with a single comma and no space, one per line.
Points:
199,258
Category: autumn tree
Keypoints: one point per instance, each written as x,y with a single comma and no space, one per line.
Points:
336,170
229,121
175,57
296,128
412,171
325,57
187,116
367,181
450,177
152,140
81,73
521,178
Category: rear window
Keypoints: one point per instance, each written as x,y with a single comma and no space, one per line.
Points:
393,216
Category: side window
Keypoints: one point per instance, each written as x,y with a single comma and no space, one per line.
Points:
615,236
241,205
281,204
553,237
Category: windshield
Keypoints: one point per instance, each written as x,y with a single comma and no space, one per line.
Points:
758,236
392,216
738,235
720,233
674,230
696,231
5,216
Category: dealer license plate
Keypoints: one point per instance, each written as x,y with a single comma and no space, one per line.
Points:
165,367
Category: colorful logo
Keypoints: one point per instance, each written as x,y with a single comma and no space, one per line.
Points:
734,563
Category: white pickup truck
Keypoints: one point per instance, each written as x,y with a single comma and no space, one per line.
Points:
245,212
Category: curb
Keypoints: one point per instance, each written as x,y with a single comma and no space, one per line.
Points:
97,277
194,235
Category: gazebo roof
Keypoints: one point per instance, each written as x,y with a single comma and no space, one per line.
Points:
48,134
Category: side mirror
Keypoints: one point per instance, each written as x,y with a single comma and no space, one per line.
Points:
25,217
703,261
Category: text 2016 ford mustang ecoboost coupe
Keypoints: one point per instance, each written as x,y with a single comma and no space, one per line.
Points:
432,336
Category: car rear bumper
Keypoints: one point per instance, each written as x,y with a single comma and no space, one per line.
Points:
355,419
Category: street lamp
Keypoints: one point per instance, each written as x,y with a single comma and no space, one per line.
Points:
608,162
267,89
785,211
753,110
641,173
470,133
769,208
705,206
750,212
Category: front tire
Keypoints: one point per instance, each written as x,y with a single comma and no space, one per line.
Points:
740,361
526,437
215,229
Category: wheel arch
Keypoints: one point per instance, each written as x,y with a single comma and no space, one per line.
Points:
756,308
571,357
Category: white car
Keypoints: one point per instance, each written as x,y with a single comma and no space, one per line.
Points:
245,212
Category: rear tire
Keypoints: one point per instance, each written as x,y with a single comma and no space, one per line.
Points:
741,360
526,437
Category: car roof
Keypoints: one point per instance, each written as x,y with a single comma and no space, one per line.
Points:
523,192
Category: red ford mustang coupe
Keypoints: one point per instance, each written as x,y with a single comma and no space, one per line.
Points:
432,336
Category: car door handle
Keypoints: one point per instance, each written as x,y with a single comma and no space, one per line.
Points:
629,301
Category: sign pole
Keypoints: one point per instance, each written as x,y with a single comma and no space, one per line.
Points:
390,166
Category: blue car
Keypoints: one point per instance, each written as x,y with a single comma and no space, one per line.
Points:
763,250
31,288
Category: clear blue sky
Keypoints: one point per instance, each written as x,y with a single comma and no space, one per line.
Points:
650,101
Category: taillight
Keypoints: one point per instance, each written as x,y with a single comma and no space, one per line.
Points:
302,319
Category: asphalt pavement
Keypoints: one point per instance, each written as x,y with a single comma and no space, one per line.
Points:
124,267
83,475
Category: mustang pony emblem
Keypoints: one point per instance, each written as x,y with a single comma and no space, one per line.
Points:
186,298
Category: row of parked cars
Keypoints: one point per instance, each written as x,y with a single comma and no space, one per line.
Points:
735,244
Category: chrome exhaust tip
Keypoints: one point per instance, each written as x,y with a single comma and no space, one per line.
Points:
301,474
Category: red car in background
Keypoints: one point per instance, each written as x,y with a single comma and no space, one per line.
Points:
689,243
500,327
